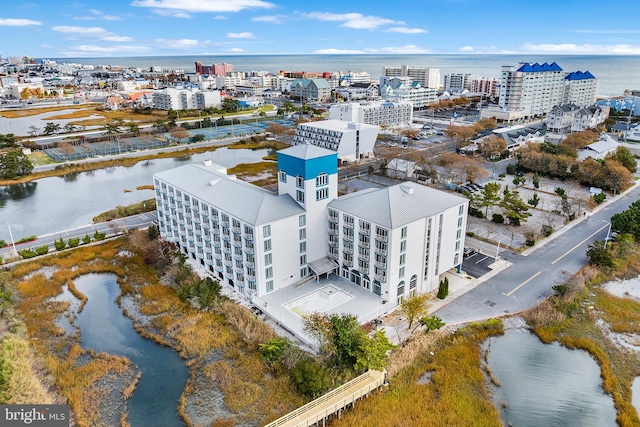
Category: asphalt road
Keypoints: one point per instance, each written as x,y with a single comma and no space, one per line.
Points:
529,279
110,227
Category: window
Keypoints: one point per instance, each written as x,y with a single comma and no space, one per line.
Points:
267,259
403,233
400,292
268,272
403,246
267,245
283,176
303,272
303,247
302,220
302,233
401,272
300,196
299,181
303,259
461,210
322,179
403,258
322,194
269,285
266,230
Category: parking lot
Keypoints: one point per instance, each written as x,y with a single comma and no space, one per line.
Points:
477,265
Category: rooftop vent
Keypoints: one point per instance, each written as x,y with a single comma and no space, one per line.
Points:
207,162
407,189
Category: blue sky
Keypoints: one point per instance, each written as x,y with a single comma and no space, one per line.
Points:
97,28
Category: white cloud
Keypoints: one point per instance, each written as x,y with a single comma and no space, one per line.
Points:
353,20
332,51
406,50
171,13
274,19
178,44
245,35
10,22
110,49
583,49
196,6
405,30
235,50
97,32
467,49
219,17
98,14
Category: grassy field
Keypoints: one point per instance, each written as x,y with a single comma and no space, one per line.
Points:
14,114
443,385
39,158
124,211
262,174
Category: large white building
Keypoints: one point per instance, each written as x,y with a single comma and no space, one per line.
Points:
534,89
457,82
427,77
180,98
393,242
402,89
373,113
352,141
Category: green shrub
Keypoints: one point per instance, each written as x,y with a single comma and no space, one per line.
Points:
27,239
74,242
310,378
99,236
470,233
502,175
476,212
546,230
443,288
86,239
431,323
3,243
599,198
42,250
512,169
497,218
60,244
27,253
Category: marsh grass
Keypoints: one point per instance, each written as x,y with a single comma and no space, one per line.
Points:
85,378
457,394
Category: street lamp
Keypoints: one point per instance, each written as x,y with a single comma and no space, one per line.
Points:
498,249
606,240
15,252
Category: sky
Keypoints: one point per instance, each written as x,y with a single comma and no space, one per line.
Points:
114,28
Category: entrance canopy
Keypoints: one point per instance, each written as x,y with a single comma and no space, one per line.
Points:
322,266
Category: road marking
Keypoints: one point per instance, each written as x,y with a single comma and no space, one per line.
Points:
524,283
579,244
482,259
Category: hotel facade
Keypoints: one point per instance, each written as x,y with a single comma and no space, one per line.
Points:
393,242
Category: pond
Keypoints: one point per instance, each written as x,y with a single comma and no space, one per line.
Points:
547,384
50,205
105,329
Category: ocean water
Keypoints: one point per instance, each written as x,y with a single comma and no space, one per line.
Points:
615,73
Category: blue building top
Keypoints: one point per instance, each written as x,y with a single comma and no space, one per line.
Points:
308,161
536,68
579,75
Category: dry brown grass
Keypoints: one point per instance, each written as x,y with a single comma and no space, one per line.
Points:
77,114
14,114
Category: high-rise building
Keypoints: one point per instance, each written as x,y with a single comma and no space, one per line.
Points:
427,77
456,82
532,89
580,88
215,69
352,141
373,113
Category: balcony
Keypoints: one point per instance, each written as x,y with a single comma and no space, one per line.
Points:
333,232
380,278
228,262
237,243
380,265
238,270
363,270
187,215
197,232
249,251
199,243
250,278
215,224
206,237
348,263
382,238
365,231
215,231
250,264
190,237
216,244
237,257
348,251
348,238
363,245
226,237
225,224
208,249
208,261
334,245
348,225
196,219
181,221
236,230
163,190
248,237
195,209
217,256
382,252
334,219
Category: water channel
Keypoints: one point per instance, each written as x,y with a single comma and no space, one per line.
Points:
105,329
547,384
62,203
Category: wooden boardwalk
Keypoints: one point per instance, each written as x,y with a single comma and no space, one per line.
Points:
317,411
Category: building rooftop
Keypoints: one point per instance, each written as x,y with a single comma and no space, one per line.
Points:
397,205
334,124
242,200
307,151
579,75
535,68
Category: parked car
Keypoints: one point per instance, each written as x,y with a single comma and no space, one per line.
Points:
469,252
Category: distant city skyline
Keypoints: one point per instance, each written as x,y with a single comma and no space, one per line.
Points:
235,27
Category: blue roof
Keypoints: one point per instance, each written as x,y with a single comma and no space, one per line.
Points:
579,75
535,68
